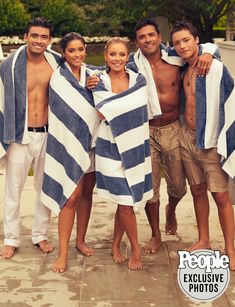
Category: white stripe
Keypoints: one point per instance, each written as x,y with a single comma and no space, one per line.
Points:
56,171
125,200
213,80
229,165
109,167
1,96
50,203
137,173
131,138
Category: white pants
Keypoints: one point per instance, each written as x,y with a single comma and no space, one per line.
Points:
19,159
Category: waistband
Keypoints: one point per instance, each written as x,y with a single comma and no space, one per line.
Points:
38,129
171,125
189,130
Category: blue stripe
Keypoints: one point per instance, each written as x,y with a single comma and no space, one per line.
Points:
136,155
140,82
54,190
140,188
201,113
129,120
60,154
74,123
226,88
107,149
115,185
230,139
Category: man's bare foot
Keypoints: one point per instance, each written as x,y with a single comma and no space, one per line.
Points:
231,255
199,245
60,265
171,222
84,249
153,245
45,246
8,252
135,262
117,256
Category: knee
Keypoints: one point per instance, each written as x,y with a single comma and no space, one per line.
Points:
198,189
221,198
71,202
125,210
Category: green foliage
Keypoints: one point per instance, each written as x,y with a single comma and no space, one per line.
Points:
13,17
65,15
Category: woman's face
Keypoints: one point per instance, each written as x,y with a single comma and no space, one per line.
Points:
116,56
75,53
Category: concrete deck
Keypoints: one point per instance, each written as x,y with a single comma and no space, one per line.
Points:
26,279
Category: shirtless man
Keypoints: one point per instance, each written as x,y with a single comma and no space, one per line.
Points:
199,152
20,157
164,130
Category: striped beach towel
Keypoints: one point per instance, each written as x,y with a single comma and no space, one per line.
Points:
72,122
123,162
215,114
13,97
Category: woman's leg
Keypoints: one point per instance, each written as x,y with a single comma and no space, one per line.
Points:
65,225
83,214
128,222
117,238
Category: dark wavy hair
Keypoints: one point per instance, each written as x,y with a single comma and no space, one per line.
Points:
67,38
184,25
40,22
146,22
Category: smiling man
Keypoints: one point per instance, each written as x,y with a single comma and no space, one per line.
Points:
207,103
23,118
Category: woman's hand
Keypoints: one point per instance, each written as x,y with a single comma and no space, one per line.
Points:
92,82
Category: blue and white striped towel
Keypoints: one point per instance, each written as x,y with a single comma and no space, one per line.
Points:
123,162
13,97
72,122
215,114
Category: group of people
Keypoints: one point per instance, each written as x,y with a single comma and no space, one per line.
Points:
117,127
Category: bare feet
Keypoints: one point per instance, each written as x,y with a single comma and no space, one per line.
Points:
153,245
199,245
45,246
135,262
231,255
84,249
171,222
117,256
60,265
8,252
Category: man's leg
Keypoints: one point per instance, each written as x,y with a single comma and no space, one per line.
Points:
83,214
152,212
42,213
226,217
152,206
18,162
201,207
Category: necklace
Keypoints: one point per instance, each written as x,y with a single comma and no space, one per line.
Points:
188,82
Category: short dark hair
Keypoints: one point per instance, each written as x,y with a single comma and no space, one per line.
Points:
70,37
40,22
146,22
184,25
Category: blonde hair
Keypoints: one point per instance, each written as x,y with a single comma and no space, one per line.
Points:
116,39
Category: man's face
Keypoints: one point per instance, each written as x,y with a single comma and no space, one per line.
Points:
148,40
37,39
186,45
